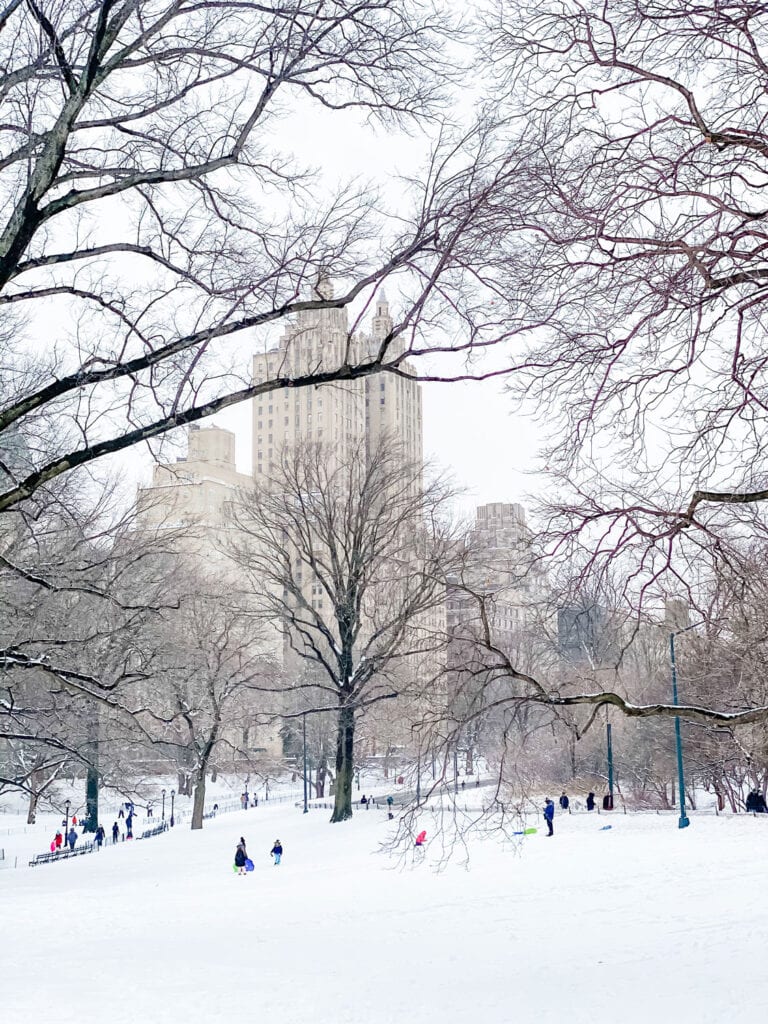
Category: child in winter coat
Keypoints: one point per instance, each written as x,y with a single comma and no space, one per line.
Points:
277,852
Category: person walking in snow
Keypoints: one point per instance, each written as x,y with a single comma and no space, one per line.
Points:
241,856
277,851
590,801
564,801
129,826
115,832
549,814
71,838
58,839
99,837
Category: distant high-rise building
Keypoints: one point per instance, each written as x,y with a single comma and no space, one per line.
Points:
392,402
191,492
340,415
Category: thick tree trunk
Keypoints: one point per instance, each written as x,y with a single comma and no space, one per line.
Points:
345,765
199,800
31,813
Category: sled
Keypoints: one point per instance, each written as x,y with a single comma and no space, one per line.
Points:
605,828
526,832
249,865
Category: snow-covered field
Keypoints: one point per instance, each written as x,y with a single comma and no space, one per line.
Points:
642,923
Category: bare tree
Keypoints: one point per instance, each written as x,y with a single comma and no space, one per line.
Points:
154,210
630,278
203,690
349,557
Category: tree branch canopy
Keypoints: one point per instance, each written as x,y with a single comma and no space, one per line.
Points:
156,223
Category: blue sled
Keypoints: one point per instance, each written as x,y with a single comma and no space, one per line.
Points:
605,828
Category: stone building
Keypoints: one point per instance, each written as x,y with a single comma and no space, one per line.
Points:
342,415
192,491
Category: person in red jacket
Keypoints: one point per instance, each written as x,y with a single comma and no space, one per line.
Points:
58,839
421,838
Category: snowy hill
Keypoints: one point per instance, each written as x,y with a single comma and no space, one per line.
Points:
639,923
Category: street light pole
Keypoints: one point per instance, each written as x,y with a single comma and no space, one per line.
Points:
163,817
683,821
66,820
610,766
173,795
304,732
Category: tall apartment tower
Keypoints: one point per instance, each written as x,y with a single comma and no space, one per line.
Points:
330,413
392,402
342,415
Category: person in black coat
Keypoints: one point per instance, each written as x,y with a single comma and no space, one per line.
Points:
564,801
241,856
760,805
99,837
590,801
115,832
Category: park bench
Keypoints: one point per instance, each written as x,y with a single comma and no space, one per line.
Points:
64,854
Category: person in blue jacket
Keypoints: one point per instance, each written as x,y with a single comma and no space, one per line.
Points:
277,851
549,813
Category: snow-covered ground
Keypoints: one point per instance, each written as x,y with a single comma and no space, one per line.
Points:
641,923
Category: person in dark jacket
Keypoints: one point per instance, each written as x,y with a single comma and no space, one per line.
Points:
71,838
590,801
241,856
760,805
129,826
549,814
564,801
99,837
749,806
364,800
115,832
277,851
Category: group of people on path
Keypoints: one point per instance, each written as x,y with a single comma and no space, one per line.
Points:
565,803
243,862
58,841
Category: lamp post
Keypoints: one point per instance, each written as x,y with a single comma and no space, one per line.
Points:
66,819
173,795
163,811
683,821
610,766
304,735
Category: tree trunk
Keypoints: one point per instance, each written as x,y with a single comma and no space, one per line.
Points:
199,800
32,808
345,765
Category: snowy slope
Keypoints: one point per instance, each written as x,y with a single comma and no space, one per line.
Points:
640,923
